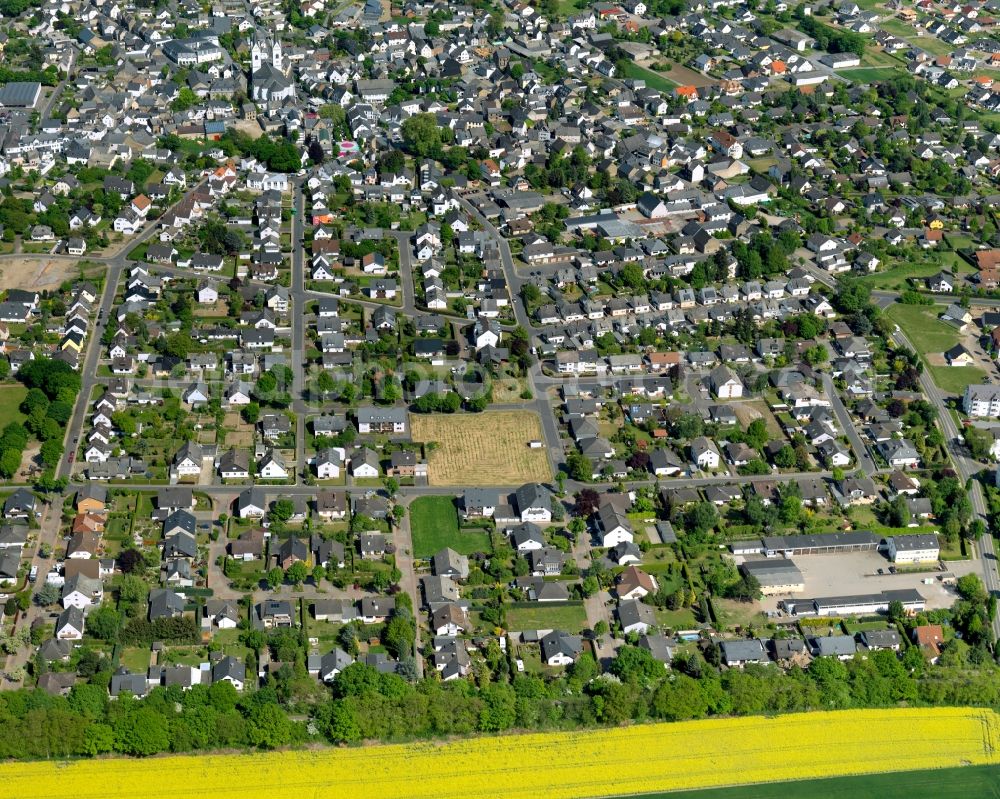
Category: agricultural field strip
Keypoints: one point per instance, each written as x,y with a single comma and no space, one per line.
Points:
634,760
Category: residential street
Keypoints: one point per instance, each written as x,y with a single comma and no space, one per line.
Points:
967,469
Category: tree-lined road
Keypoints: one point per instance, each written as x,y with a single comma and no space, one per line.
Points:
967,470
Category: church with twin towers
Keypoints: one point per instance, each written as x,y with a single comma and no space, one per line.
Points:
270,82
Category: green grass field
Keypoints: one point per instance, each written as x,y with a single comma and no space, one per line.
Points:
895,279
880,58
954,379
434,526
870,74
544,616
931,44
11,398
982,782
920,325
653,80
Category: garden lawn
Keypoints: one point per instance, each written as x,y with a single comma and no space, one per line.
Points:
434,526
681,619
11,398
732,613
135,659
653,79
570,617
870,74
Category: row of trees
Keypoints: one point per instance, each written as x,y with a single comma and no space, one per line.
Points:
366,704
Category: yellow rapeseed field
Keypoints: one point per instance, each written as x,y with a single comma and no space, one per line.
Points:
645,758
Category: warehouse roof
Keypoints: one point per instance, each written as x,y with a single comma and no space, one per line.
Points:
20,94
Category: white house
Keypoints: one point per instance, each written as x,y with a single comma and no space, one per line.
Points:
534,503
704,455
613,527
272,467
81,592
560,648
69,626
364,463
922,548
725,384
328,463
251,504
208,294
187,462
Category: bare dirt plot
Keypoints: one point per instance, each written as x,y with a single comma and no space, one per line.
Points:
250,127
238,433
37,272
219,308
483,449
746,412
29,467
239,438
681,75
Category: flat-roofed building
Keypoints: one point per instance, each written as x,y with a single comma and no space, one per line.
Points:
923,548
857,605
819,544
20,94
775,575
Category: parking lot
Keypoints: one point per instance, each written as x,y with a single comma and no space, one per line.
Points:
852,573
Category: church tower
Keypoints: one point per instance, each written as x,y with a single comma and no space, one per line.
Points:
277,58
259,54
